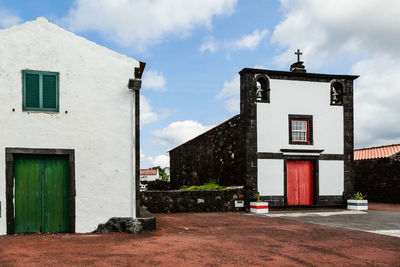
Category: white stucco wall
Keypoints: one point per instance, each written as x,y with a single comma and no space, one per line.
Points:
149,178
331,177
93,90
303,98
299,98
270,177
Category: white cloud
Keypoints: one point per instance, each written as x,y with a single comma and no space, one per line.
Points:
209,43
145,161
141,23
368,29
148,161
377,98
326,29
7,18
179,132
155,80
161,160
147,115
231,95
249,41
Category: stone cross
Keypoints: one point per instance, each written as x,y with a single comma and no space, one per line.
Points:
298,53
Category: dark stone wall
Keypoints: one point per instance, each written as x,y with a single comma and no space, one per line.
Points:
379,179
158,185
248,111
191,201
215,155
348,141
331,201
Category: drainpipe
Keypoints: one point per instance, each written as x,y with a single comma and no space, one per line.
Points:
135,85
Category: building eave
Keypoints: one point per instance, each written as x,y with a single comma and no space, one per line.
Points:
277,74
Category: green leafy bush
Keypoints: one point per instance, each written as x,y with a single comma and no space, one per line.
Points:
161,171
358,196
209,186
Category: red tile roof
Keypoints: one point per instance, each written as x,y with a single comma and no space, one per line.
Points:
148,172
376,152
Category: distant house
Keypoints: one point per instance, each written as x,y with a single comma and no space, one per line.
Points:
377,173
292,141
69,119
148,175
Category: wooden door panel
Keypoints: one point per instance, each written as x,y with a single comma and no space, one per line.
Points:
28,192
56,195
292,183
299,182
305,183
41,194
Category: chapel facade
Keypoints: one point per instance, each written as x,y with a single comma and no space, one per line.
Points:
292,141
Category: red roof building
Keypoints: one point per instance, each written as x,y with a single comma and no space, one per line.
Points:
148,172
376,152
148,175
377,173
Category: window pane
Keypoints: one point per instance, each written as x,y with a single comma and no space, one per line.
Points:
49,91
299,130
303,125
302,136
32,90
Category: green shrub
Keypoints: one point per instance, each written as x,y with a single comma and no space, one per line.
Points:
209,186
257,197
358,196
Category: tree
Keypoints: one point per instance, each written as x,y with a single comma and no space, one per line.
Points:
163,175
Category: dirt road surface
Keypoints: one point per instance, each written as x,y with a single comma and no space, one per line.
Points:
207,239
384,207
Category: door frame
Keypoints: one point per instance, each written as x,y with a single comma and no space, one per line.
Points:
11,154
314,160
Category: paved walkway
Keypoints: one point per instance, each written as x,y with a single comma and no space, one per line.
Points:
208,239
380,222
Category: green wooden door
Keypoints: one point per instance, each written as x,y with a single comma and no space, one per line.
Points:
28,195
41,194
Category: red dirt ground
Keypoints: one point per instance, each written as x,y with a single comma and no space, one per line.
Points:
207,239
383,206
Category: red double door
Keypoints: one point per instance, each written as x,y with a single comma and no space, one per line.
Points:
299,182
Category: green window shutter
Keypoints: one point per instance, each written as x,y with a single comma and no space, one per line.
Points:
40,91
49,91
32,90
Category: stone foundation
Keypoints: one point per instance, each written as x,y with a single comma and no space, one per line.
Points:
192,200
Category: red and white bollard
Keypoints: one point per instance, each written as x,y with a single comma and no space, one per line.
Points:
259,207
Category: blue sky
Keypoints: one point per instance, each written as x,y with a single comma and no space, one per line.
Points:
194,50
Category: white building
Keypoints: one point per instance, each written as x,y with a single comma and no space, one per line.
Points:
292,141
68,131
149,175
299,131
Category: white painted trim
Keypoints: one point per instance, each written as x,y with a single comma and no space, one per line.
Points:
132,169
300,154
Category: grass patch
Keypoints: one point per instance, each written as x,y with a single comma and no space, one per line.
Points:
208,186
